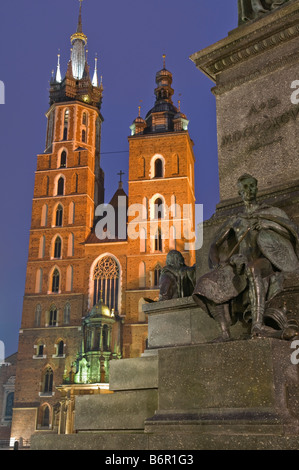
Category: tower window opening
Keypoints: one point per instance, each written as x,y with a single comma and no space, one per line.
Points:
55,281
158,241
158,168
48,381
83,135
58,218
57,248
106,278
60,187
159,209
63,159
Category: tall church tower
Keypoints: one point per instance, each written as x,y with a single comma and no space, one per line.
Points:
161,180
68,186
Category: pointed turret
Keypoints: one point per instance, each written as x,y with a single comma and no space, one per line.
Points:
95,81
58,72
79,41
77,84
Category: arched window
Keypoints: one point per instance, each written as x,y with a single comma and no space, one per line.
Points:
39,281
9,405
47,381
142,240
63,159
66,124
45,421
67,314
40,349
60,348
57,247
59,216
38,315
142,274
158,168
70,248
53,316
106,280
158,240
157,274
69,279
72,213
83,135
84,119
60,186
55,281
41,250
159,209
44,217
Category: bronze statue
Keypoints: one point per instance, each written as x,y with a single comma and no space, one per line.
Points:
253,9
176,280
251,255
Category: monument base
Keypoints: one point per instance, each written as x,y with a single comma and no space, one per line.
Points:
239,395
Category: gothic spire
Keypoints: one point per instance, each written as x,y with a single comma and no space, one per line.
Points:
79,41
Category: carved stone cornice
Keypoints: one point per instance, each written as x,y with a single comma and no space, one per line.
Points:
250,40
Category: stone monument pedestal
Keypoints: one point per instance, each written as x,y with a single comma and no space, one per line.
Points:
188,393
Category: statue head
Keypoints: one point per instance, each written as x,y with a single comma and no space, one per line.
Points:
175,259
247,186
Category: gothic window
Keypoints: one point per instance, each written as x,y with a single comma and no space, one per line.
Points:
55,281
63,159
66,124
57,248
84,119
45,422
69,279
38,281
9,405
72,213
44,217
142,274
59,214
157,274
106,279
40,350
48,381
67,314
158,240
83,135
60,348
70,248
158,168
53,316
38,314
41,250
159,209
142,240
60,187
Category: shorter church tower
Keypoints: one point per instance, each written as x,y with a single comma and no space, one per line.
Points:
161,181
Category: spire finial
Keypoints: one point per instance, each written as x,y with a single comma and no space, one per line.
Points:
79,29
120,183
164,61
58,72
95,81
139,108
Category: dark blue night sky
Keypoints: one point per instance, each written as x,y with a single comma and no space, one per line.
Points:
129,38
